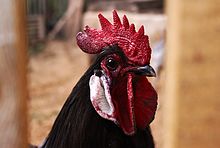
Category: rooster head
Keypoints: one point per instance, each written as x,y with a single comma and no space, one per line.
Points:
119,89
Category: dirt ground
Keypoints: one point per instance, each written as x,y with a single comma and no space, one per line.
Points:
52,75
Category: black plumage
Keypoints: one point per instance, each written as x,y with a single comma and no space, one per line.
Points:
79,126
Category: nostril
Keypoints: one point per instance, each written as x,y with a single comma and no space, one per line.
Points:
98,72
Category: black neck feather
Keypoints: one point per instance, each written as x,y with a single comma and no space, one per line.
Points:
79,126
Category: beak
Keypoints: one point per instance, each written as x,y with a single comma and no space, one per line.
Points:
144,71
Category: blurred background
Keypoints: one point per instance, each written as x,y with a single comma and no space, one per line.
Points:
188,112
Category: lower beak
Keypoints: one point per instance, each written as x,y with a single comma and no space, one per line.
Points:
144,71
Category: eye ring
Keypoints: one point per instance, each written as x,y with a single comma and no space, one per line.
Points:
111,64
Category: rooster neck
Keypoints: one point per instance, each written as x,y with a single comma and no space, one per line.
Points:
72,122
79,125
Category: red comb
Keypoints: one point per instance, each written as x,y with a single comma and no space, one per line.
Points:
135,45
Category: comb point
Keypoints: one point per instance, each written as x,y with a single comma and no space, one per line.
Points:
132,29
103,21
116,19
141,31
125,22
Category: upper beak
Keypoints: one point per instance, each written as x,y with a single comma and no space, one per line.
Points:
144,71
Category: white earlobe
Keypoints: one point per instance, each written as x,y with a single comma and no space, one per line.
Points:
100,97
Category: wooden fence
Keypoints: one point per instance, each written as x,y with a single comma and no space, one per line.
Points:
13,88
36,11
42,17
191,113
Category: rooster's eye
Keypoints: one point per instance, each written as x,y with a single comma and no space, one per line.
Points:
111,64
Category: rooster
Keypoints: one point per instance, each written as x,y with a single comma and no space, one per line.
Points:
113,103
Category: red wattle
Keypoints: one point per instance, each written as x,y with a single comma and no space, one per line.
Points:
123,102
145,102
135,102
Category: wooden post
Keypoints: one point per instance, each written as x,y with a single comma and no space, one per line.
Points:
13,90
191,109
72,26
